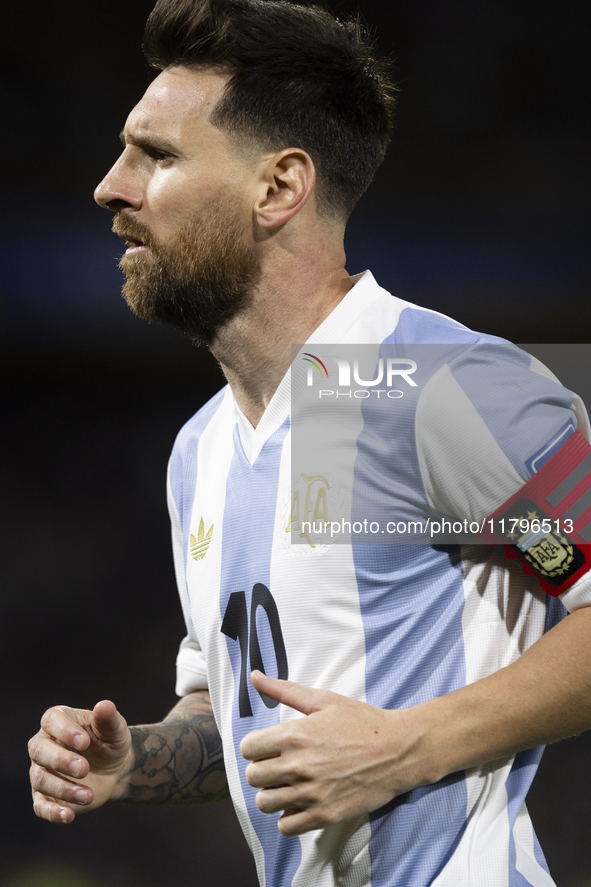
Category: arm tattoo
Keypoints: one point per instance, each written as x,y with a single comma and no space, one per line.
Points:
178,761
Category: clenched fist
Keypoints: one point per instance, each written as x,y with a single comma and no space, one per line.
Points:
78,758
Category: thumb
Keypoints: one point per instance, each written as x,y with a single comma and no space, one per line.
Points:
109,725
304,699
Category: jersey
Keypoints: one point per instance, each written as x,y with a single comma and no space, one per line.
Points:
393,625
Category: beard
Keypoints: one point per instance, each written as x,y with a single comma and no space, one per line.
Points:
200,282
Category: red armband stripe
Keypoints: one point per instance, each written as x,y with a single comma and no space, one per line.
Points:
547,523
579,509
571,482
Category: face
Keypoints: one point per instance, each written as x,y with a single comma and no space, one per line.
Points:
180,193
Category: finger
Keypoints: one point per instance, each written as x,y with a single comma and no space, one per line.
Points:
107,723
55,786
47,753
260,744
61,723
270,773
276,800
304,699
47,808
297,822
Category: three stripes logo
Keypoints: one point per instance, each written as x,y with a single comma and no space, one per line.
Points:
200,544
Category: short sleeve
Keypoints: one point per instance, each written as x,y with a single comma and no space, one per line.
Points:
486,422
482,418
190,664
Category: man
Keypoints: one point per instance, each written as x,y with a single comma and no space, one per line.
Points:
419,675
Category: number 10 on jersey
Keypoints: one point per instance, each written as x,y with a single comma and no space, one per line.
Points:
237,626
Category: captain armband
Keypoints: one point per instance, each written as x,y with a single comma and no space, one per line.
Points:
547,523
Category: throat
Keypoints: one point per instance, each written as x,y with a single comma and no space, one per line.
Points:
251,398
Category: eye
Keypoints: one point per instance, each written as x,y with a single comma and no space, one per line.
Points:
162,157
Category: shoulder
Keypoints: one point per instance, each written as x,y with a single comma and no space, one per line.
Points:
182,467
425,326
444,345
402,322
192,431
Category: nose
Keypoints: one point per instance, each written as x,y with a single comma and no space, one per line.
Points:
118,190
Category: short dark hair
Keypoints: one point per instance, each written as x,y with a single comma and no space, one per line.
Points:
300,78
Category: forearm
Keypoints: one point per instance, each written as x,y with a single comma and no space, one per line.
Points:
542,697
347,758
178,761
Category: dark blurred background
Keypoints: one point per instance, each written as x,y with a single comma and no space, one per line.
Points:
481,211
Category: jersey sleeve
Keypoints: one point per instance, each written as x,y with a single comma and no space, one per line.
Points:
190,663
487,422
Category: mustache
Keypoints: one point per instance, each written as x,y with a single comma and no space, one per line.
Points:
130,229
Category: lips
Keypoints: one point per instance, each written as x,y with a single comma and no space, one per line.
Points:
131,241
135,246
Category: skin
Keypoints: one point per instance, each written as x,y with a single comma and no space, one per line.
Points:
173,161
343,758
81,759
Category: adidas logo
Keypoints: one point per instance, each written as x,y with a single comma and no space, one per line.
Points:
200,544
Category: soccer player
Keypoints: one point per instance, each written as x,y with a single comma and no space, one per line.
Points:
396,734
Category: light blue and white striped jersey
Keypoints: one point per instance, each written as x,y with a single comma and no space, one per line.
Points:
393,625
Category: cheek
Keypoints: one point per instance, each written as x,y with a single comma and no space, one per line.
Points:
171,201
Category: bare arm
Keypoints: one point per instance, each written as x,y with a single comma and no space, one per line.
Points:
542,697
178,761
347,758
81,759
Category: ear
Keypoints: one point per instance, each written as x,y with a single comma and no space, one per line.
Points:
287,183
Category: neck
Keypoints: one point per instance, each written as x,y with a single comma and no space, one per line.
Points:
254,349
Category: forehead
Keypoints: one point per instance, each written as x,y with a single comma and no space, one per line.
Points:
177,104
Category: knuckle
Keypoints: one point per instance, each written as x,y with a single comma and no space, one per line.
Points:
39,753
294,770
57,760
39,780
304,797
33,775
47,717
37,808
292,738
51,716
33,746
321,819
41,807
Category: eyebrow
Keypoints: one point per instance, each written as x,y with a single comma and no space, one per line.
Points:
148,143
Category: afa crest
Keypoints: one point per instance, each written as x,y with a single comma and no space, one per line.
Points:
550,553
308,514
551,556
